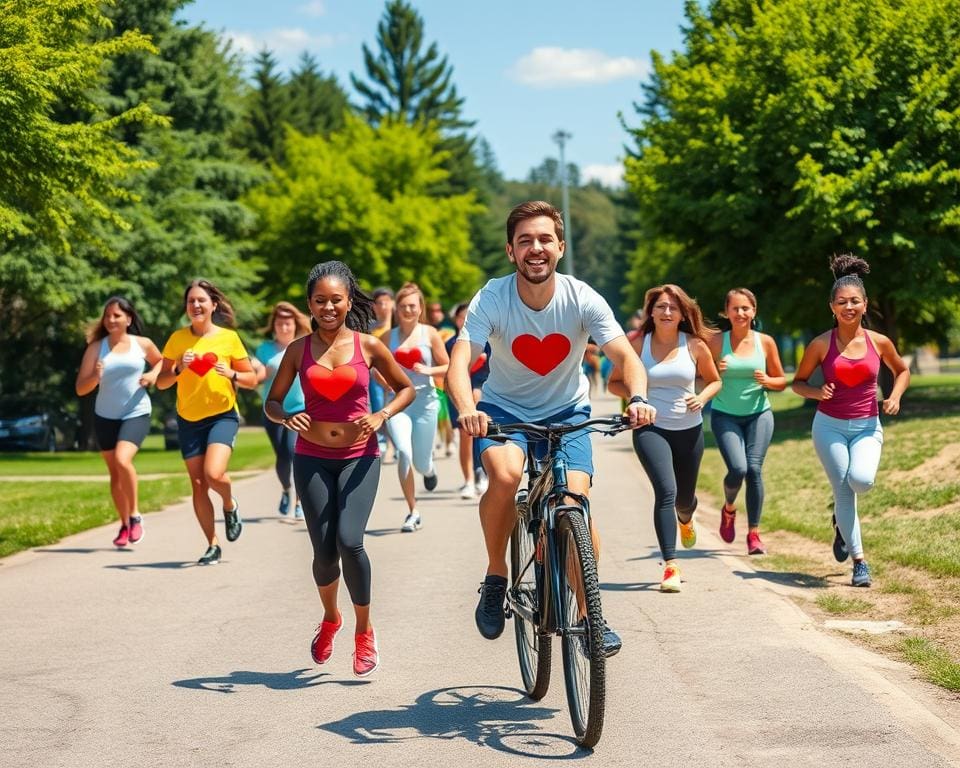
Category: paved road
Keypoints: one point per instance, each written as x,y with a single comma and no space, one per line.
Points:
139,658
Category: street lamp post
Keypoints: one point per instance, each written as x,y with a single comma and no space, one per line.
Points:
561,137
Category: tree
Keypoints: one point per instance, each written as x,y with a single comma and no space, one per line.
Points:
317,103
786,131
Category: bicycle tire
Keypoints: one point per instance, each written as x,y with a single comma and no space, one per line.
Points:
533,648
584,663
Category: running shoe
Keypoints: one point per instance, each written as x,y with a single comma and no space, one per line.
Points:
298,511
840,552
366,657
489,615
411,523
754,545
211,556
122,538
728,518
611,641
284,503
136,529
688,533
671,579
321,649
861,574
468,491
233,521
430,481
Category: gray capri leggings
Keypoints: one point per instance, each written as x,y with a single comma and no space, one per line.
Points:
337,497
743,443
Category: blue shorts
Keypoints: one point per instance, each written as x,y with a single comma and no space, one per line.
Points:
576,446
195,436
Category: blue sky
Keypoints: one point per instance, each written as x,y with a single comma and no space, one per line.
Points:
525,73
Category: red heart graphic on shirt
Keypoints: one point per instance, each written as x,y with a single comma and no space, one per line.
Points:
541,355
408,356
851,372
201,365
478,363
331,385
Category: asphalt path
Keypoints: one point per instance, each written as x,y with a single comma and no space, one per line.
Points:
141,658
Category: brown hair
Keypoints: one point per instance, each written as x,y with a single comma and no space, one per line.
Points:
407,289
530,210
286,309
223,314
692,323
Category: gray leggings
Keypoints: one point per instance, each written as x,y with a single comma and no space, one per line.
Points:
743,443
337,497
671,459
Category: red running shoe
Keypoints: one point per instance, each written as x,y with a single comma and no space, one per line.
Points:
366,657
136,529
754,545
728,518
322,646
123,538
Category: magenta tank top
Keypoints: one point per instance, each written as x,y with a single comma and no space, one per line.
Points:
338,394
854,382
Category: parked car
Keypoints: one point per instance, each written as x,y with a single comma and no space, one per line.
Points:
33,427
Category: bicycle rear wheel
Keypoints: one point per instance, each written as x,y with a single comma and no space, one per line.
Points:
533,649
584,664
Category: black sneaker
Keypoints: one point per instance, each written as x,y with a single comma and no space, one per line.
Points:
430,481
489,614
233,521
840,552
211,556
611,641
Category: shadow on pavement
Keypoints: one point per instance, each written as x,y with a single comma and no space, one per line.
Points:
489,716
275,681
789,579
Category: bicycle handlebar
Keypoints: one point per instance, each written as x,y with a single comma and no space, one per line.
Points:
616,423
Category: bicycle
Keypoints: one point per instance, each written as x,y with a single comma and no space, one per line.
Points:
553,587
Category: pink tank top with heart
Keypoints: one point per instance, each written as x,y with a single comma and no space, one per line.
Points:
340,394
854,382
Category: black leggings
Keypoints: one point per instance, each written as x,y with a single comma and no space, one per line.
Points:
337,497
283,441
671,459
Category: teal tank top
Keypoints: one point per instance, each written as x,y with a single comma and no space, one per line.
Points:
740,394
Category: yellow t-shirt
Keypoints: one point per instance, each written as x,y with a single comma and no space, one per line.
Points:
201,391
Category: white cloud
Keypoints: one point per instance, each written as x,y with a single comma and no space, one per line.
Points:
313,8
550,67
282,42
609,175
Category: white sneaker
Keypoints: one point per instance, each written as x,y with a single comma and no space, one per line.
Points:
468,491
411,523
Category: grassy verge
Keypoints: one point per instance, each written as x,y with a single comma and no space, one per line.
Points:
910,520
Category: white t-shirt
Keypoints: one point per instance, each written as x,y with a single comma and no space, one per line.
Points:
535,355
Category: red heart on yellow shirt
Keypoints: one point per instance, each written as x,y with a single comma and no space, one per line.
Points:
541,355
331,385
201,365
408,356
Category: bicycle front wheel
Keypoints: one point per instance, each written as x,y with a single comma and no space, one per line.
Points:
533,648
584,664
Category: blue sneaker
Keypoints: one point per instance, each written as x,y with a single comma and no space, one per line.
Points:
298,512
284,503
861,574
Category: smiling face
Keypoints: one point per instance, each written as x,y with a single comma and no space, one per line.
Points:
536,249
200,306
330,303
848,305
115,320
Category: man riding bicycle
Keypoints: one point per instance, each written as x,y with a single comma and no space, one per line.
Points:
537,323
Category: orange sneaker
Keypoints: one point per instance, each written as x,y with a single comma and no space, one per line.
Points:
366,657
671,578
322,646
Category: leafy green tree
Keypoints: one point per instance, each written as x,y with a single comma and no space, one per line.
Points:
364,196
317,103
786,131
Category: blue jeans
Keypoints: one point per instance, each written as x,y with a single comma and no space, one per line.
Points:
743,443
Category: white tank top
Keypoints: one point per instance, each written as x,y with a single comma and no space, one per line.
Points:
120,395
667,383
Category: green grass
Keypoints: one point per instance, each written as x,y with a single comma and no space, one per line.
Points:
933,661
840,606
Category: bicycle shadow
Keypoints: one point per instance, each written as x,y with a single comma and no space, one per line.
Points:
488,716
275,681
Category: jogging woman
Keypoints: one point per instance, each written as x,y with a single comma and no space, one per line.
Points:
286,324
207,362
336,467
113,364
672,346
846,428
740,416
418,347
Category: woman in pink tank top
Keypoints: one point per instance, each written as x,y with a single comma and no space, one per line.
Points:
336,464
846,429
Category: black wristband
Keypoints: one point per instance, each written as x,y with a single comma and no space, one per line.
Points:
638,399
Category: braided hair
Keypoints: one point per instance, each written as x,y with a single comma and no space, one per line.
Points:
361,316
